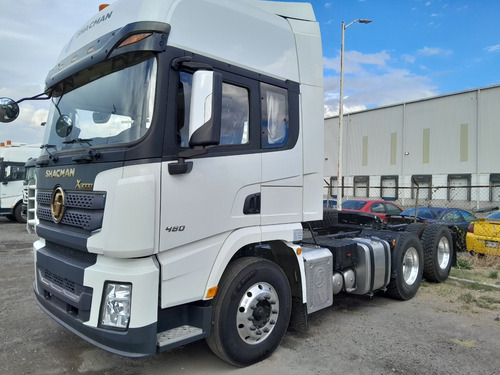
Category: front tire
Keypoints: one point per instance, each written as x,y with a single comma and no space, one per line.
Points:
438,248
18,214
407,267
251,311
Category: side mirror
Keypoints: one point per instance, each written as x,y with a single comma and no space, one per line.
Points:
206,104
64,126
9,110
101,118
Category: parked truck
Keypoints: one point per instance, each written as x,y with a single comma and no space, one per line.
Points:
13,156
179,190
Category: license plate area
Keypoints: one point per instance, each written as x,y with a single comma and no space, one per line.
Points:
492,244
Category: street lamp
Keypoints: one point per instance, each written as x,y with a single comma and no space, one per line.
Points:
341,112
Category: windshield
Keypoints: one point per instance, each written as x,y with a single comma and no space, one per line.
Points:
115,108
29,173
353,205
423,212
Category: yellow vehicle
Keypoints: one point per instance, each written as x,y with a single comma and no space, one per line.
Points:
483,235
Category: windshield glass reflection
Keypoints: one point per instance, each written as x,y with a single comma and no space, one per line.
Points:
111,110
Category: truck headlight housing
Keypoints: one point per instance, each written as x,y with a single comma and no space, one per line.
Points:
115,307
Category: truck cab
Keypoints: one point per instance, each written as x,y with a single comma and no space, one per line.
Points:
12,160
183,136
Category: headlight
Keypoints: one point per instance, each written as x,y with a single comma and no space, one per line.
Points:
115,308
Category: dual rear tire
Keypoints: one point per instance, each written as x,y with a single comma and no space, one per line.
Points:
438,250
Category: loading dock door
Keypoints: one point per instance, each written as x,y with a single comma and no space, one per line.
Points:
421,186
361,186
495,187
389,188
459,187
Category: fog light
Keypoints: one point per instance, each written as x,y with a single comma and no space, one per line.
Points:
115,308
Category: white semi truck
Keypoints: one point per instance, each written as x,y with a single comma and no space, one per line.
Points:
13,156
179,191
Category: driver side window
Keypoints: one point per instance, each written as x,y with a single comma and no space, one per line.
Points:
234,114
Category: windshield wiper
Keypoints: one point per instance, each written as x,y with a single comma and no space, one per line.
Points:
79,140
85,143
54,158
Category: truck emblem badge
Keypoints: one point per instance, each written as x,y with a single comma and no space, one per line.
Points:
57,204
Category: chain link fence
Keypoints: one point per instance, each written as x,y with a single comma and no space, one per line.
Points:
479,200
482,237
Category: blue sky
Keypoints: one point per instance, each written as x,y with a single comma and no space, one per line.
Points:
413,49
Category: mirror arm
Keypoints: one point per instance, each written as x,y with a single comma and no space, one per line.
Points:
187,63
182,166
36,97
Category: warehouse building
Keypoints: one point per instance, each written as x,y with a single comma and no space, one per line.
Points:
439,149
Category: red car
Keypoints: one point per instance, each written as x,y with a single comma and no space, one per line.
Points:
379,208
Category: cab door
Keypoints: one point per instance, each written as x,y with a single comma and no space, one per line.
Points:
217,194
11,184
221,191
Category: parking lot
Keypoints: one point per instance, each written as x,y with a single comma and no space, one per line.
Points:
437,332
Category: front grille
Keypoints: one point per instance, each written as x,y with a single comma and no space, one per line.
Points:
83,210
72,298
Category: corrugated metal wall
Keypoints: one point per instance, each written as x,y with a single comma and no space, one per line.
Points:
456,134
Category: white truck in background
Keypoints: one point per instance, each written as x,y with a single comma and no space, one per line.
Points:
13,156
180,186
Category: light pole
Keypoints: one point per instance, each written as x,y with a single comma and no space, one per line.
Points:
341,112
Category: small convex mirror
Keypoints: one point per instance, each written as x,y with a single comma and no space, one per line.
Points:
64,126
9,110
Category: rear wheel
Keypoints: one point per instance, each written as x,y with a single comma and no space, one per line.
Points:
251,311
417,228
407,267
438,249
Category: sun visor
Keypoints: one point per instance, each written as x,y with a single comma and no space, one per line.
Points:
109,45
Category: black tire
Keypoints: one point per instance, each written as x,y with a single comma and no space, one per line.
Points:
251,311
438,252
407,267
18,214
417,228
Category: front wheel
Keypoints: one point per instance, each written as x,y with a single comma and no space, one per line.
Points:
18,214
251,311
407,267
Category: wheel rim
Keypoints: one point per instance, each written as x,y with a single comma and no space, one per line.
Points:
410,265
257,313
443,253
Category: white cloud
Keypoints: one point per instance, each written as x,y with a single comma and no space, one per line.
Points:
370,81
354,60
428,51
408,59
494,48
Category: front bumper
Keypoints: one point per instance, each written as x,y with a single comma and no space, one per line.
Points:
69,288
135,342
